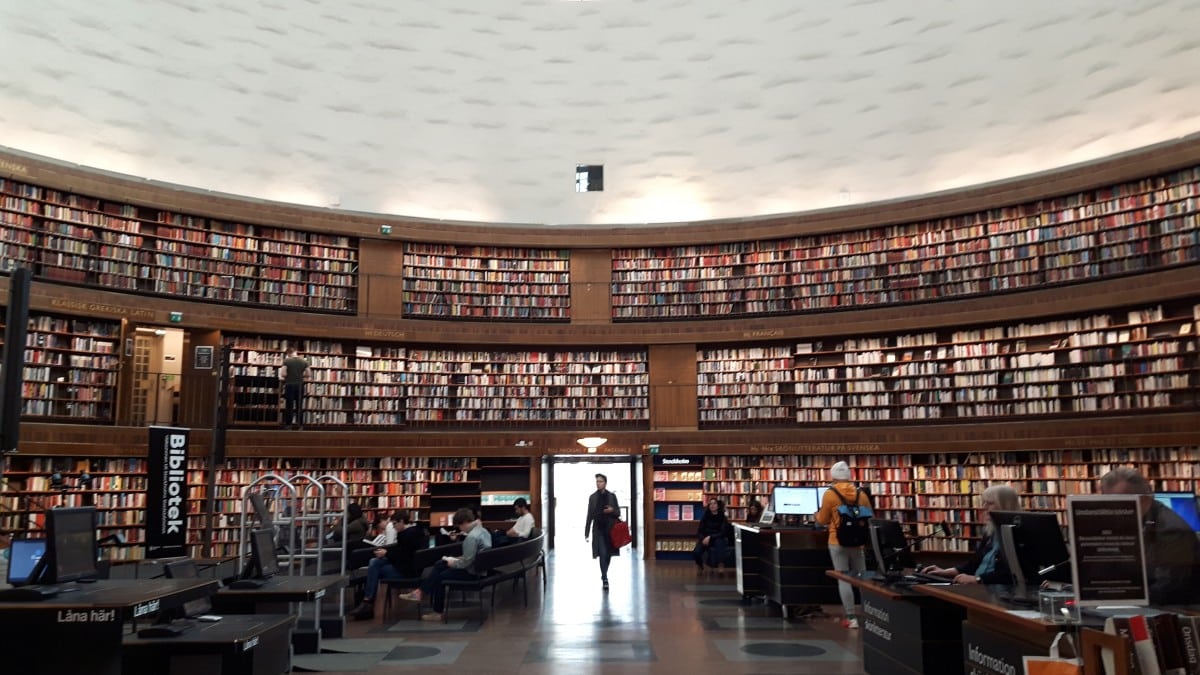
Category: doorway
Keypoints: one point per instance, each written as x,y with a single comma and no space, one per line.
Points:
570,480
157,369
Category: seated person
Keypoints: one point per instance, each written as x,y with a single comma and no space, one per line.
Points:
391,562
520,529
476,540
987,566
385,535
754,510
1172,549
357,527
453,535
711,536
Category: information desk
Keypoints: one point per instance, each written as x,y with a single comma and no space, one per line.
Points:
276,597
235,645
997,634
787,566
905,632
80,631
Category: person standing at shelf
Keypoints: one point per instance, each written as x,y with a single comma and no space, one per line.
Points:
294,374
710,536
845,558
987,566
1172,549
601,516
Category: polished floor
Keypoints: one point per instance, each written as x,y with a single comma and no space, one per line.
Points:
658,617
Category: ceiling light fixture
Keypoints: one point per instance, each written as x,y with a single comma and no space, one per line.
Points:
592,442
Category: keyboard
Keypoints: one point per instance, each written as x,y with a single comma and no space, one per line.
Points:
246,584
920,577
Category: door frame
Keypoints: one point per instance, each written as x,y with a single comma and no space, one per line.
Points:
635,492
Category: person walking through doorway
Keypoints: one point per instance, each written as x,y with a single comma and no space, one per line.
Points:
601,515
293,373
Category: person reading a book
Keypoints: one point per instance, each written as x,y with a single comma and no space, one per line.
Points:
477,540
391,561
987,566
1172,549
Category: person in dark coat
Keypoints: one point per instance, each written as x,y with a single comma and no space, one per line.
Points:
711,536
392,562
602,513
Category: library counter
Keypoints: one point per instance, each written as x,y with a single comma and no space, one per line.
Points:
277,596
90,621
786,566
905,632
235,645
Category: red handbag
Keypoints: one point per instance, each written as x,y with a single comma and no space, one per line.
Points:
619,534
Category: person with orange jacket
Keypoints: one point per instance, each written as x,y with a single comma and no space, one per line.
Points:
845,558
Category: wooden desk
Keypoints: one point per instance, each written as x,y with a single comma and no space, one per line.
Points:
80,631
235,645
787,566
276,596
905,632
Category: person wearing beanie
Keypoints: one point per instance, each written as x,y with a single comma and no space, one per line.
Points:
845,558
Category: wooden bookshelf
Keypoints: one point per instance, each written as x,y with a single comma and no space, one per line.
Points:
487,283
84,240
71,369
579,389
745,385
1132,227
1139,359
679,503
117,490
920,490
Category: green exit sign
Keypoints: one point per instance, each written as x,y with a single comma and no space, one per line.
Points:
176,317
654,449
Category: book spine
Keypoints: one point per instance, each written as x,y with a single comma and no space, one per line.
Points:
1143,646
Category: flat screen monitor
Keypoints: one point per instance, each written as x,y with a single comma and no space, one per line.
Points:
71,549
23,559
892,553
265,520
1182,503
263,562
1039,545
796,501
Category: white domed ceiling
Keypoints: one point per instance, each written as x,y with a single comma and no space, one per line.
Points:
480,109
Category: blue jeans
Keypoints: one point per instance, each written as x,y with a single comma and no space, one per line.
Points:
432,586
378,568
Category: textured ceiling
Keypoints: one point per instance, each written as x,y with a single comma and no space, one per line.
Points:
480,109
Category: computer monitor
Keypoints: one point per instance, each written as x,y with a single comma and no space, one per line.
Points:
796,501
265,520
71,548
1038,544
263,563
23,559
892,553
1182,503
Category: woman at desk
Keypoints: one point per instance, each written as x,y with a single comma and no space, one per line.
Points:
754,510
987,565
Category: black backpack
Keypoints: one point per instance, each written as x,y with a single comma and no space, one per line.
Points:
854,520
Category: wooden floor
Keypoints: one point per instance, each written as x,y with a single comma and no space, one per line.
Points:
658,617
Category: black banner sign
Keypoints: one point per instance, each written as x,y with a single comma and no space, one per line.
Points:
166,493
